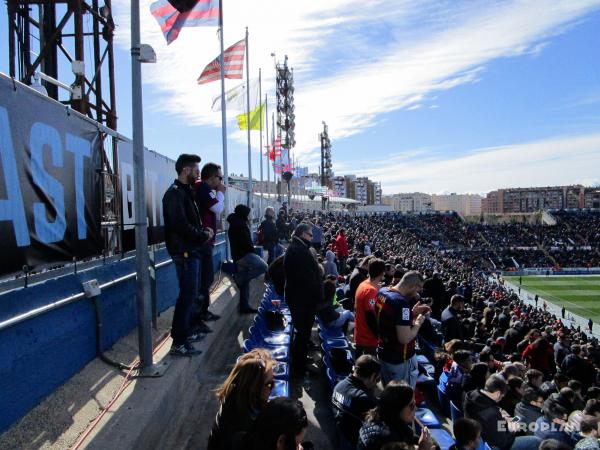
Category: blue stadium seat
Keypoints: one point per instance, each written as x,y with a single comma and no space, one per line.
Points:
269,338
427,418
483,445
328,344
444,401
281,389
279,353
443,438
261,323
331,333
428,368
422,359
455,412
281,370
284,311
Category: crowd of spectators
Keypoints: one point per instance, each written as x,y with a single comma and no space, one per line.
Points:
523,379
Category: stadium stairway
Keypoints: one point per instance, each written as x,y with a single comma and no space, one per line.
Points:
174,411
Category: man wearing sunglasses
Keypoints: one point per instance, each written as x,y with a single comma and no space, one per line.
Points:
303,292
209,193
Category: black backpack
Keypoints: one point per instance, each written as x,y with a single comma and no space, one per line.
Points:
275,320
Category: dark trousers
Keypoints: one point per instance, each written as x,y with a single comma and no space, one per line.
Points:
207,276
187,275
303,319
270,248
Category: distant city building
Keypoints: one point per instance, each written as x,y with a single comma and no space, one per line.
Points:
525,200
361,193
339,185
463,204
416,202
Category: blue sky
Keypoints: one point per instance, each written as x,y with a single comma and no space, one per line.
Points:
432,96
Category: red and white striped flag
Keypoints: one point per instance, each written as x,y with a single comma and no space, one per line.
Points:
233,58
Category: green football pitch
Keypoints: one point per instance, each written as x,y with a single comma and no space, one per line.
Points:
579,295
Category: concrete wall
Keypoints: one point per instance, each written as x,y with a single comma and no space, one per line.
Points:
39,355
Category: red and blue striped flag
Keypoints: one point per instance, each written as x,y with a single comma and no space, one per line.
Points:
173,15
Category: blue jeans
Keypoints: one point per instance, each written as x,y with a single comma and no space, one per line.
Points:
248,268
345,316
407,371
187,274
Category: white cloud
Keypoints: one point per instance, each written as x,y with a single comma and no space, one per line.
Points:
444,47
553,161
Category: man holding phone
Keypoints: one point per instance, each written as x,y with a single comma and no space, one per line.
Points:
398,326
209,193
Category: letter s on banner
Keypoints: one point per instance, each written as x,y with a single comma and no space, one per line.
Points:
47,230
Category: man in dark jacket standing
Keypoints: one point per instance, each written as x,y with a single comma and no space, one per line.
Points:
249,264
434,288
269,232
184,236
303,292
451,326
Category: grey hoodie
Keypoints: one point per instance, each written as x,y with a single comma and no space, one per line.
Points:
329,268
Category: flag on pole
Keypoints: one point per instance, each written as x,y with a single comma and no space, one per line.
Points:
235,98
254,118
233,58
173,15
275,152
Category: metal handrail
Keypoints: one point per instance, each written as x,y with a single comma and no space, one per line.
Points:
72,298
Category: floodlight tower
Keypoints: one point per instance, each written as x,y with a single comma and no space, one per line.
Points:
45,36
326,172
285,118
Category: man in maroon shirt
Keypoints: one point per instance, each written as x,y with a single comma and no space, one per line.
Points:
209,195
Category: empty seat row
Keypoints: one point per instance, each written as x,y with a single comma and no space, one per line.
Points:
275,337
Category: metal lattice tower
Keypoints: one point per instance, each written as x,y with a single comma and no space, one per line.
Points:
70,41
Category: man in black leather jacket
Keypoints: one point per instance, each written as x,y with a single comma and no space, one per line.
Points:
184,235
303,292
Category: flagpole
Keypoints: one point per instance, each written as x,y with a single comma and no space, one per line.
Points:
248,122
268,151
260,140
223,117
142,259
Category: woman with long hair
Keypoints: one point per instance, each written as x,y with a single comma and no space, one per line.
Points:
241,397
391,420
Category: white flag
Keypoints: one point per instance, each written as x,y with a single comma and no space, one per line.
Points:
235,98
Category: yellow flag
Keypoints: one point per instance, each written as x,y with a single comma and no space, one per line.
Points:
254,118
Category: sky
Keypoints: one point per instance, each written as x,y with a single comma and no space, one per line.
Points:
428,96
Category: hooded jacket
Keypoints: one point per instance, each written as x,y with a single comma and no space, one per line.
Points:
329,268
528,413
240,239
484,410
303,282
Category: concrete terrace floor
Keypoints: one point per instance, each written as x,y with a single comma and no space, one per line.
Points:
60,420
